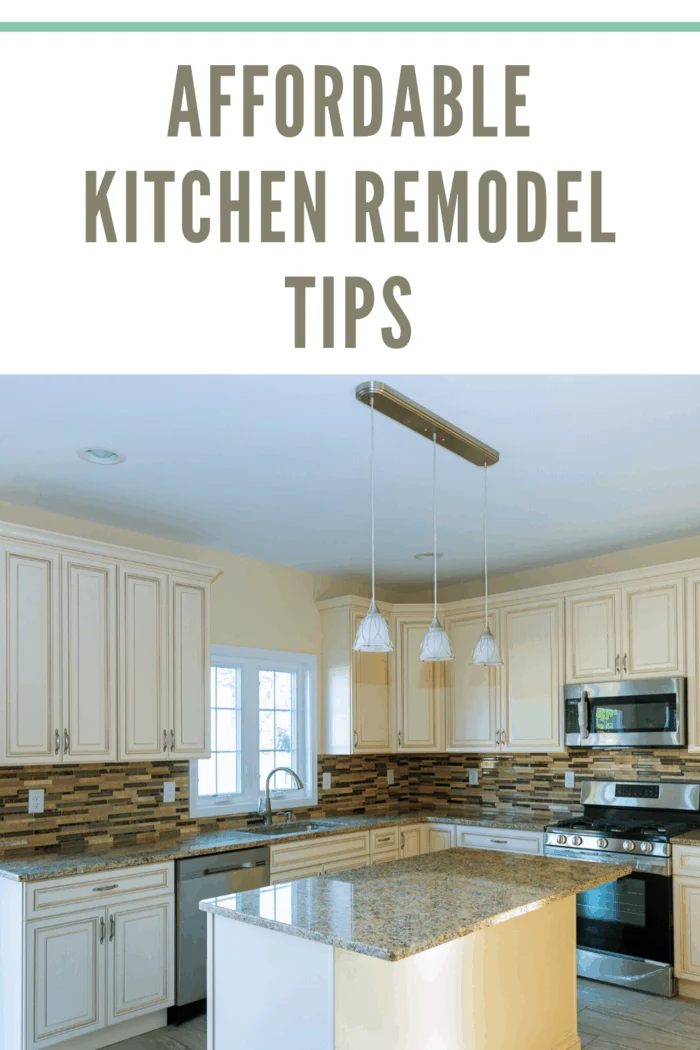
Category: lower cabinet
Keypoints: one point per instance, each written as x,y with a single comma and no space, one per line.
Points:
440,836
686,915
503,841
411,841
86,967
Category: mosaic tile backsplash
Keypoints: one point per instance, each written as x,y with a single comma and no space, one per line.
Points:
96,807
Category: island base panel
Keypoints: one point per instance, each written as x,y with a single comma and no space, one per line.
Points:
511,985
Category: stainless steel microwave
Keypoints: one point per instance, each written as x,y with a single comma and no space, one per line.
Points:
648,712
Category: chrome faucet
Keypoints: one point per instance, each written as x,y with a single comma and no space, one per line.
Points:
270,775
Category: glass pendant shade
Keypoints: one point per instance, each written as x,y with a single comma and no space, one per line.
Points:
486,652
373,633
436,644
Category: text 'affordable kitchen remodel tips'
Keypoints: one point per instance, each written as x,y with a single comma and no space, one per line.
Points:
225,101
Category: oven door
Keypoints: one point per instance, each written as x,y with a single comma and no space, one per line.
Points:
633,916
649,713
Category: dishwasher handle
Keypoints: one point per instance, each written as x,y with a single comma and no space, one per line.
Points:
235,867
206,865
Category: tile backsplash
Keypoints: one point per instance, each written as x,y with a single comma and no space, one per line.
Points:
92,807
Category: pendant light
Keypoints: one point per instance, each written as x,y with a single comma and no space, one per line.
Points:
436,644
486,651
373,632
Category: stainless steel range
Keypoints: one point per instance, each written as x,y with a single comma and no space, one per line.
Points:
624,930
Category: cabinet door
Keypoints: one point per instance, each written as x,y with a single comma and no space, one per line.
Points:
532,698
29,654
440,838
65,977
652,630
592,638
686,922
472,700
89,659
418,693
411,842
190,663
371,699
143,663
140,959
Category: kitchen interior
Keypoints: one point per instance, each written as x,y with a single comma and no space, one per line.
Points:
349,712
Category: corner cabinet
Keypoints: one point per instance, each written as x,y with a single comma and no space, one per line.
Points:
356,687
104,652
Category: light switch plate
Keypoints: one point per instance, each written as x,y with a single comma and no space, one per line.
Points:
390,777
326,781
36,800
474,777
169,791
569,779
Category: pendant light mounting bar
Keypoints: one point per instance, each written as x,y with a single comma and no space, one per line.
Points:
421,420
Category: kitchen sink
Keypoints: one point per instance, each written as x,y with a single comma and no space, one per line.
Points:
293,827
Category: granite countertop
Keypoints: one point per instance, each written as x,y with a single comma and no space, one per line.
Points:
688,838
372,910
59,864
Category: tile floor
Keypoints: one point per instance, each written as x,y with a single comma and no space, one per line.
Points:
609,1019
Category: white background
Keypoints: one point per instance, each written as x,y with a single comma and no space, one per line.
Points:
623,103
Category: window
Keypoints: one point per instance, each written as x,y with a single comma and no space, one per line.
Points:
263,715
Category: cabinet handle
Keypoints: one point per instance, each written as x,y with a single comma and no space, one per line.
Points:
165,740
66,740
111,927
57,742
354,737
104,889
617,664
384,838
500,842
403,840
399,735
624,663
102,931
172,739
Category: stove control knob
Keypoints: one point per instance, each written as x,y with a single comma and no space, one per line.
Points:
646,847
601,843
561,840
575,840
628,845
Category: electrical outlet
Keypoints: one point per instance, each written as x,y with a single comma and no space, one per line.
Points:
36,800
569,779
169,791
390,777
326,781
474,777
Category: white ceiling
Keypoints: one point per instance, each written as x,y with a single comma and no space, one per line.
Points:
276,467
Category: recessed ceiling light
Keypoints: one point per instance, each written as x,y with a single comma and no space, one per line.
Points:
105,457
427,554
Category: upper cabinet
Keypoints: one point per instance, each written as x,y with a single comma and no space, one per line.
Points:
533,654
419,692
472,693
356,687
633,631
104,652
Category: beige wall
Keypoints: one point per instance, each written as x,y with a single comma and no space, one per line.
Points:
253,604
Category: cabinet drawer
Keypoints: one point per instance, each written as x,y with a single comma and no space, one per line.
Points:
346,864
386,855
382,839
686,860
327,849
81,891
492,838
307,871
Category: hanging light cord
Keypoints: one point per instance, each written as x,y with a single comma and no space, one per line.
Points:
371,479
486,569
434,530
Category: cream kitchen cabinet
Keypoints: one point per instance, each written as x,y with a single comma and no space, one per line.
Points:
90,956
104,652
411,840
532,640
633,631
419,688
686,917
503,841
358,701
472,693
438,837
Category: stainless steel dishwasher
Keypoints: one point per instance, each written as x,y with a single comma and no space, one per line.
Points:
196,879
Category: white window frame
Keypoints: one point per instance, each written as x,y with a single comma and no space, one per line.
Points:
248,662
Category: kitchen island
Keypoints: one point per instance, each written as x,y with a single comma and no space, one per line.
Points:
457,950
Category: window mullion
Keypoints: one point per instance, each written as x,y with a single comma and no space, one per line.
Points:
249,697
